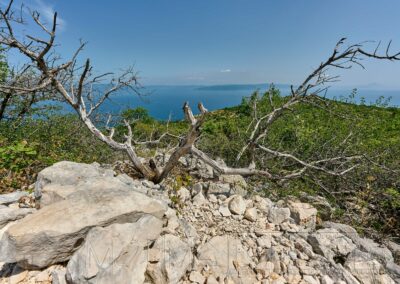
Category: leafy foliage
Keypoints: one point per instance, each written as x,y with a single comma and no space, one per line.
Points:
17,156
368,198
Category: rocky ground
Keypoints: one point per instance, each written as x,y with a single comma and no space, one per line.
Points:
85,224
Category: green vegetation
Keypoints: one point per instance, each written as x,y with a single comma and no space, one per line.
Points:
368,197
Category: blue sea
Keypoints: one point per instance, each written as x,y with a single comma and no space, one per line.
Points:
166,101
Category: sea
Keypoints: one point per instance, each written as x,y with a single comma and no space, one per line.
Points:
165,102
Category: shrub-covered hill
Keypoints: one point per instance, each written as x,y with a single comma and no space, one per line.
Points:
368,197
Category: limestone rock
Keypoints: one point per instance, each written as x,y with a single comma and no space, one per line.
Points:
18,275
366,269
218,188
63,176
184,194
196,188
330,243
174,258
251,214
220,253
326,280
393,269
114,254
381,252
346,230
237,183
278,215
265,268
58,276
310,279
10,214
199,199
304,214
12,197
264,241
237,205
263,204
196,277
212,280
190,232
53,233
224,210
395,249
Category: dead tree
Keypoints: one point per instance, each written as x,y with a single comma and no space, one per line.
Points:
76,85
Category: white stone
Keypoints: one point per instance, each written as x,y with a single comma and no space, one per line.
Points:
8,215
363,267
58,276
220,253
196,277
58,181
199,199
310,279
265,268
174,260
184,194
114,254
304,214
326,280
12,197
264,241
57,230
237,205
212,280
278,215
224,210
251,214
329,243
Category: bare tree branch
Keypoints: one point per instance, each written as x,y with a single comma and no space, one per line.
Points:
77,85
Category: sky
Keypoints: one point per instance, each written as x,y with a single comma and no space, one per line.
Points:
203,42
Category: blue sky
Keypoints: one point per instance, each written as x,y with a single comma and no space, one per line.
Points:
226,41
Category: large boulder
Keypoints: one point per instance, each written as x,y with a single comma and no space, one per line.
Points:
114,254
366,269
379,251
53,233
169,259
330,243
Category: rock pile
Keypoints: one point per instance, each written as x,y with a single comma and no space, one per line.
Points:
95,227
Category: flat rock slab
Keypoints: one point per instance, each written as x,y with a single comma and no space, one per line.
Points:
220,253
53,233
114,254
12,197
64,176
